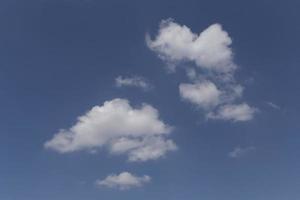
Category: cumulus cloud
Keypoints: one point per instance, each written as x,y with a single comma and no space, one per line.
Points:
240,112
123,181
134,81
209,49
205,94
239,152
213,87
120,128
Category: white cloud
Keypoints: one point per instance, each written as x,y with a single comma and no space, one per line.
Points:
240,112
213,86
123,181
122,129
135,81
239,152
205,94
209,50
148,148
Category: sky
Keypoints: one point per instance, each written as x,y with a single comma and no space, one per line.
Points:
143,100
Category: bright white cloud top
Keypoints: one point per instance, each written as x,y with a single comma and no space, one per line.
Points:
209,50
134,81
123,181
213,88
120,128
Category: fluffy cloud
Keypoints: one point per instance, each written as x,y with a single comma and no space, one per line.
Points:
205,94
123,181
122,129
213,87
135,81
239,152
240,112
209,50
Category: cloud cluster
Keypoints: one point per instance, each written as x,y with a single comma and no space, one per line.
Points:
138,132
213,87
120,128
123,181
134,81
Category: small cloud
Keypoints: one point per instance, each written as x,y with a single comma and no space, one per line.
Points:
123,181
239,112
240,152
273,105
134,81
204,95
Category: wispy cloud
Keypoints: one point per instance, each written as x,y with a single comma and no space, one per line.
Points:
134,81
273,105
238,152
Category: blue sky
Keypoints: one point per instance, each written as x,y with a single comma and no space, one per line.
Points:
149,100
